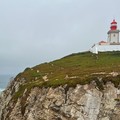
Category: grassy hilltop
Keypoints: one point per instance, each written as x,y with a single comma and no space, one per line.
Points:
79,68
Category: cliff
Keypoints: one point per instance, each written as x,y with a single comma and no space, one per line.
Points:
77,87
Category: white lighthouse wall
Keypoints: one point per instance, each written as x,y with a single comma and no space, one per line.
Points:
114,38
104,48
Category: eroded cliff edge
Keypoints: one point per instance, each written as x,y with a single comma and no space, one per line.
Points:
80,86
84,102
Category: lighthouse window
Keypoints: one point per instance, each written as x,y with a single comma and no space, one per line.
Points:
114,35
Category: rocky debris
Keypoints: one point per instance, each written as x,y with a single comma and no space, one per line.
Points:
114,74
45,78
72,77
84,102
38,71
100,73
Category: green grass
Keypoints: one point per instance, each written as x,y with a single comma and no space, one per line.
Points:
80,69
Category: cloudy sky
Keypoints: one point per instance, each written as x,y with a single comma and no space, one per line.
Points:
37,31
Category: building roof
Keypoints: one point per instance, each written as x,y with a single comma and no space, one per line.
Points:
114,22
102,41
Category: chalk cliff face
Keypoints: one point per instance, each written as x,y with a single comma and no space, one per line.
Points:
83,102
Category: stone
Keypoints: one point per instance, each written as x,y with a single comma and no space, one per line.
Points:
84,102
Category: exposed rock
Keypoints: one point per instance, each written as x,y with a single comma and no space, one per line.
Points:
45,78
72,77
114,74
84,102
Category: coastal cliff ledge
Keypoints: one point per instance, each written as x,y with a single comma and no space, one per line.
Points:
80,86
84,102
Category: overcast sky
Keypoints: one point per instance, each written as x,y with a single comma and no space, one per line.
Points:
37,31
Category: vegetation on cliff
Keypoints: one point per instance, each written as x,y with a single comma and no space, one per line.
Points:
79,68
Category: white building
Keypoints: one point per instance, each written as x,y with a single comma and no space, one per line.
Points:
112,43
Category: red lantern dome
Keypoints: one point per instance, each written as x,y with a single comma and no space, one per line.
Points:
113,25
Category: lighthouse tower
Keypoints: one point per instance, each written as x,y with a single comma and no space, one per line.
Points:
112,44
113,34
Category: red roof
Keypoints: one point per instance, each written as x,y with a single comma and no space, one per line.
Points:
114,22
102,42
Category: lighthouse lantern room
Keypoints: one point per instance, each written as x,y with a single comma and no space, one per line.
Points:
113,33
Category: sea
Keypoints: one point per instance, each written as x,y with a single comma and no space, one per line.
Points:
4,81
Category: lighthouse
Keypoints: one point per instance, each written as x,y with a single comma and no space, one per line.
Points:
112,43
113,34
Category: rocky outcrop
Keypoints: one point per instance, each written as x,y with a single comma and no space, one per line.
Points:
84,102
